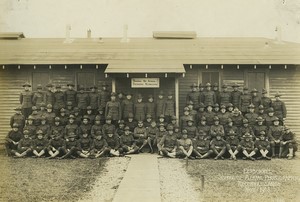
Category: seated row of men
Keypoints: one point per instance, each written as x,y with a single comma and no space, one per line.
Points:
172,142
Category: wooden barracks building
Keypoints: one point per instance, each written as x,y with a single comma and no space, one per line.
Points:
169,61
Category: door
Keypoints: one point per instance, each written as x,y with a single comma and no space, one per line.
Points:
210,77
42,78
85,79
256,80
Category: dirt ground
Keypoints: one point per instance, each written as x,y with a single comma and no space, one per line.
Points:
277,180
47,180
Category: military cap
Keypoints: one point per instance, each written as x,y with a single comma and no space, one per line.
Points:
216,85
113,94
229,105
208,85
271,109
126,128
216,105
191,120
39,86
258,119
93,87
262,133
201,85
186,109
148,116
85,131
57,119
43,118
70,84
247,135
245,121
229,120
161,125
69,103
150,96
261,107
139,96
184,132
85,117
49,106
216,118
26,84
39,132
25,132
15,125
98,133
71,134
161,92
209,105
201,105
76,109
224,86
194,85
190,102
176,126
203,118
30,117
128,93
264,91
236,110
97,118
218,134
121,122
18,109
201,133
232,133
58,86
223,107
49,85
62,110
246,88
71,117
81,87
130,115
275,119
235,85
170,128
254,90
170,93
42,104
100,109
174,118
88,107
277,94
35,112
161,116
104,84
251,106
55,133
108,117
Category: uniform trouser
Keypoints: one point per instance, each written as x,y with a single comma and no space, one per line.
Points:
166,150
26,111
10,148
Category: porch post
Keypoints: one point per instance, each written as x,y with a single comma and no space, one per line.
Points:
177,98
113,85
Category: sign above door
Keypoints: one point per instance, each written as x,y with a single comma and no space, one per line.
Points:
144,82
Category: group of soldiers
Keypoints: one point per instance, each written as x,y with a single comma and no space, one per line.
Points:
93,124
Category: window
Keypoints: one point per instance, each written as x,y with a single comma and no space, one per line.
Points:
85,79
210,77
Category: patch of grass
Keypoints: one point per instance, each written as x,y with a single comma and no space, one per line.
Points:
47,180
224,180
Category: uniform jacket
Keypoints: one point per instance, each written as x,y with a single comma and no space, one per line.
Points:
99,145
160,103
59,100
245,102
49,97
113,109
38,98
169,108
26,99
236,98
139,111
93,100
70,96
150,108
279,109
127,107
225,98
209,98
168,141
82,100
19,119
127,140
113,142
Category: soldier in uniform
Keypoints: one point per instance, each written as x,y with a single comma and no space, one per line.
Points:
173,121
236,96
42,111
113,143
71,147
205,128
193,113
94,99
12,139
270,117
90,114
57,127
245,100
225,96
57,146
201,94
223,115
35,116
200,112
108,127
230,127
265,101
255,99
45,127
30,127
49,95
191,129
131,123
237,117
26,100
168,143
248,147
209,115
120,129
139,109
96,127
184,146
183,119
69,110
120,97
230,108
288,144
169,108
161,132
141,137
24,146
150,106
70,94
18,118
201,147
71,127
275,134
159,105
113,109
209,97
127,106
39,145
193,96
251,115
59,100
84,144
218,146
152,133
84,126
279,108
233,145
82,100
104,96
39,96
217,92
216,128
127,143
99,146
263,146
148,121
50,115
63,117
216,109
246,128
262,112
259,127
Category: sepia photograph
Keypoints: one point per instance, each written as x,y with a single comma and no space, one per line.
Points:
149,101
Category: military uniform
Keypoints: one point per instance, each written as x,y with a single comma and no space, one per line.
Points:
224,96
216,129
127,107
265,101
237,118
108,129
209,97
192,131
269,119
248,146
159,105
204,128
279,108
82,100
289,144
168,143
49,115
12,139
39,96
187,144
94,99
218,146
246,128
26,101
183,119
193,96
84,144
49,95
104,96
223,115
40,144
18,118
71,128
113,142
57,144
236,96
70,95
245,100
113,109
229,128
201,146
59,100
209,115
32,130
150,107
99,145
251,116
139,111
169,108
259,127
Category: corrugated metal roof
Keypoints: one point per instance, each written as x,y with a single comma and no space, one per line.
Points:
187,51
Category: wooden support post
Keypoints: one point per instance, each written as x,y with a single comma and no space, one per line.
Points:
177,98
113,85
